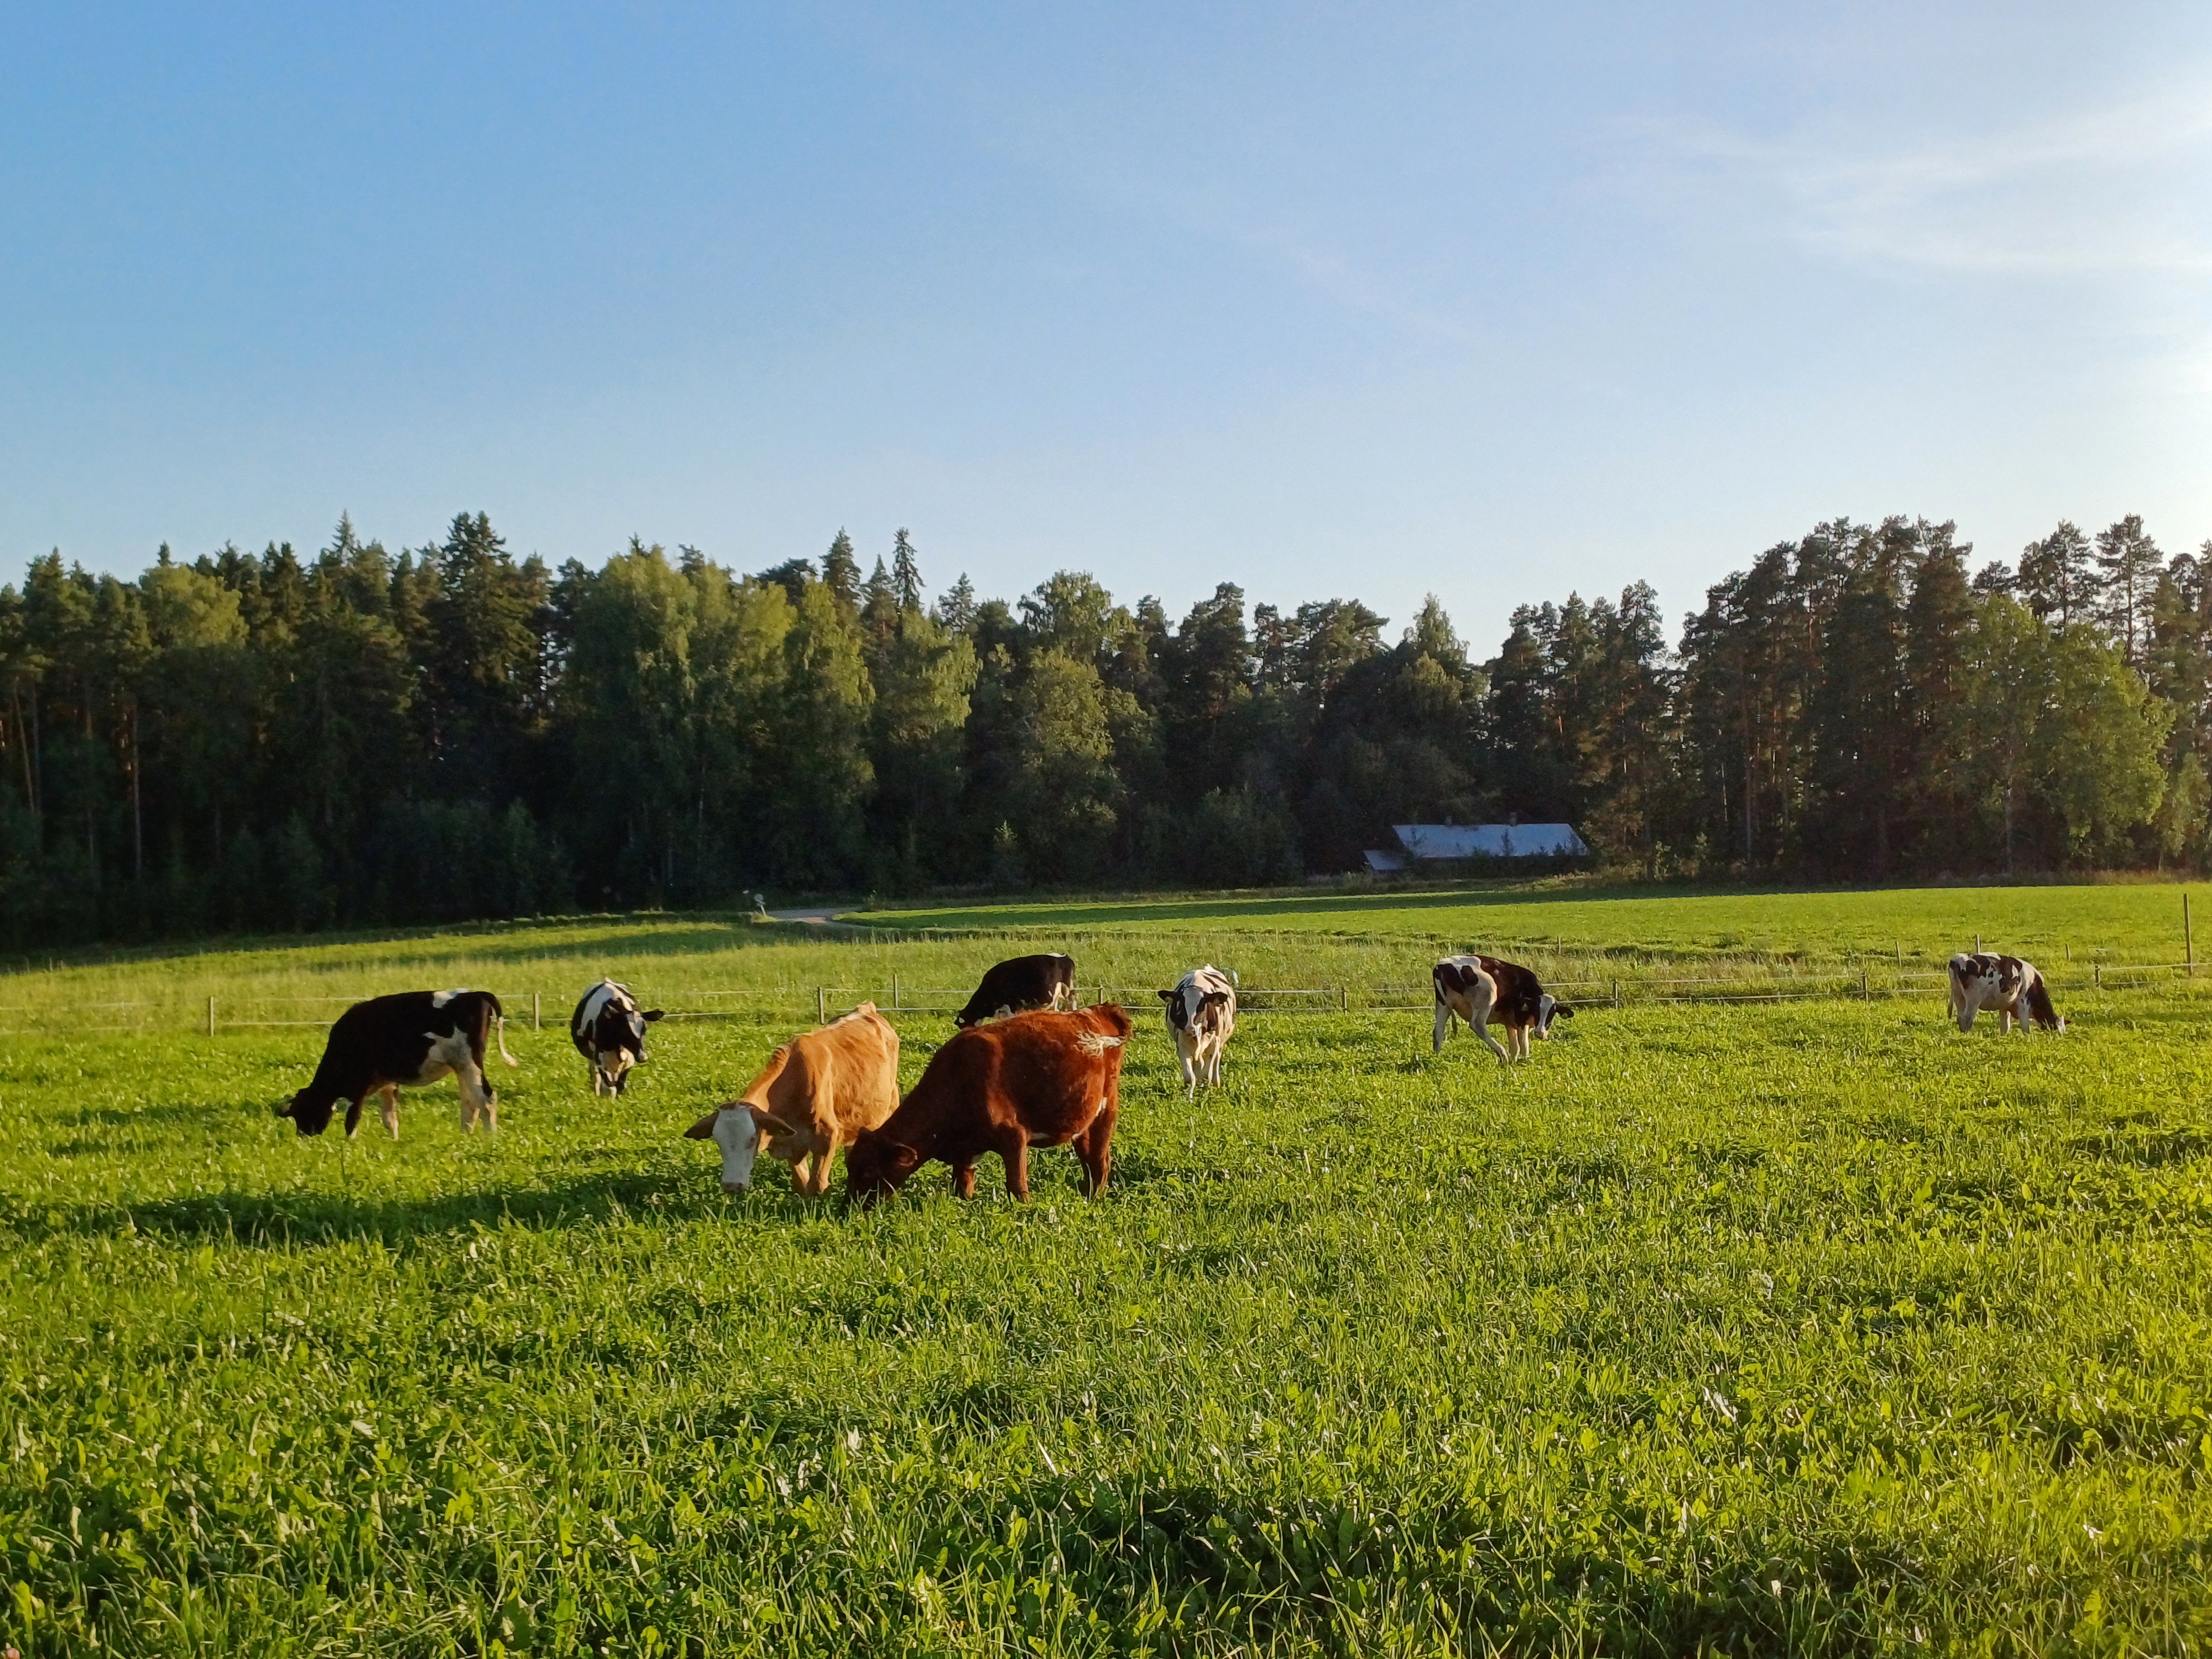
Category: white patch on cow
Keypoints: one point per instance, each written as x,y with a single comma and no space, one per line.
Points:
1544,1012
440,998
1096,1043
445,1055
595,998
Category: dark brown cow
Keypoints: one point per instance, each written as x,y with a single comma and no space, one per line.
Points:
1042,1079
1017,985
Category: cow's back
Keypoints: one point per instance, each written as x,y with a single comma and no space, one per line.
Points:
843,1076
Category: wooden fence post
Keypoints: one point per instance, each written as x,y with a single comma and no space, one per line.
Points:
536,1023
2097,974
821,1005
2188,945
1616,996
895,993
210,1016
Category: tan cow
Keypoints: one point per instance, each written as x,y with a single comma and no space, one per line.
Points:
815,1094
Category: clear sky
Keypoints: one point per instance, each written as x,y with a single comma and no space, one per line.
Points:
1492,300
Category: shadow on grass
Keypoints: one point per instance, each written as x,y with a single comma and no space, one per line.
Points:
280,1219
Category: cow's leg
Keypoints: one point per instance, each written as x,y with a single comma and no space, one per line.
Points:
1478,1021
477,1099
388,1108
1443,1026
1096,1148
353,1112
1013,1150
963,1180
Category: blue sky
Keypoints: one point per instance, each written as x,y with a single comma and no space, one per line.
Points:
1493,302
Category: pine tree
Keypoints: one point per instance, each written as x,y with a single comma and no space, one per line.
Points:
2056,577
2126,565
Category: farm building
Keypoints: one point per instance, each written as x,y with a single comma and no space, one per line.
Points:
1436,843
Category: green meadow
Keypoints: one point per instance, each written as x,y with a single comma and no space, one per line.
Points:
1803,1327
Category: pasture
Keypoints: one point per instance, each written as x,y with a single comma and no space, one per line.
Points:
1809,1327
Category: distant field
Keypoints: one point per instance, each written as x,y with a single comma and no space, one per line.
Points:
1809,1327
2139,922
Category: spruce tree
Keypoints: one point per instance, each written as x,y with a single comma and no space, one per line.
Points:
906,571
841,574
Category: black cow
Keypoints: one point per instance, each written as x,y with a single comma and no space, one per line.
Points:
390,1044
609,1031
1019,985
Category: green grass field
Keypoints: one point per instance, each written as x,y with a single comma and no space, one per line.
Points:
1812,1326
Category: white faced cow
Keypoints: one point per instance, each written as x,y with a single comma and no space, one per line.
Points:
409,1038
1202,1013
2011,987
817,1093
609,1031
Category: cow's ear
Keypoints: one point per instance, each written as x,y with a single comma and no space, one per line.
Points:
768,1123
650,1015
1167,996
704,1129
904,1156
1216,998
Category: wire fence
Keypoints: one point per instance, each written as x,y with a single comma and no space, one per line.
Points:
252,1011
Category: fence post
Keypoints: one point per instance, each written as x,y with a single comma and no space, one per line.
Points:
821,1005
2097,974
1344,998
535,1023
210,1016
1616,996
894,989
2188,945
1866,986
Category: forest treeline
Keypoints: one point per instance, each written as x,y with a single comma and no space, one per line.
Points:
254,741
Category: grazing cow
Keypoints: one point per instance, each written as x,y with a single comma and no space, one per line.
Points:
1017,985
1488,990
609,1031
1042,1079
1202,1013
390,1044
816,1093
2012,987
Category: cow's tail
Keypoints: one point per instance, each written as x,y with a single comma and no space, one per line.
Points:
2041,1008
499,1029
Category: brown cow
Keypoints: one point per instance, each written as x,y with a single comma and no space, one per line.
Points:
1042,1080
816,1093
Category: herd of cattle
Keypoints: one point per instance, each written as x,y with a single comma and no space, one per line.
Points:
1023,1068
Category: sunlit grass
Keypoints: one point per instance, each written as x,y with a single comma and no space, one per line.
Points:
1812,1327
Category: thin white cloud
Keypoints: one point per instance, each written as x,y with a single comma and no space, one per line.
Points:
2126,189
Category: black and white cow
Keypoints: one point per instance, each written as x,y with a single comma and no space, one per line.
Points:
1483,990
1202,1014
400,1042
2013,988
609,1031
1018,985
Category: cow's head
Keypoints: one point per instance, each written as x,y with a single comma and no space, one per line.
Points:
1187,1003
740,1130
310,1112
618,1038
876,1166
1549,1009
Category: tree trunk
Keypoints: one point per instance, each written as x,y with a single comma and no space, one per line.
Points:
138,814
